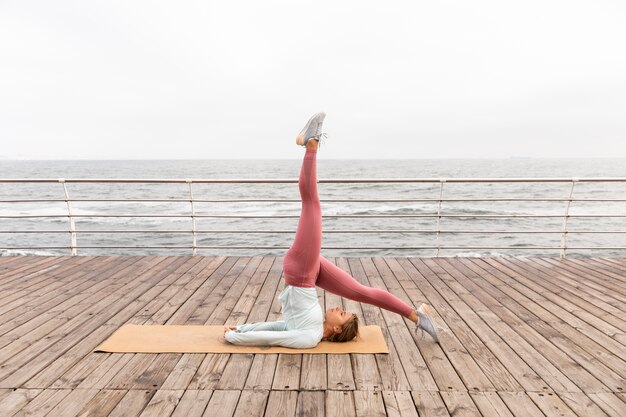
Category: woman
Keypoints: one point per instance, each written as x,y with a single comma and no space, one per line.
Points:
303,324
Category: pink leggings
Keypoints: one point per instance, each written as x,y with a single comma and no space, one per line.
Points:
303,265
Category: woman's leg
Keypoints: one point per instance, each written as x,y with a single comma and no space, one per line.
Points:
302,261
337,281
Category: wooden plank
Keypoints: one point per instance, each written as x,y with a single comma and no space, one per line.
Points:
578,312
607,274
261,374
100,325
14,401
162,403
399,404
73,403
611,324
571,288
520,404
19,271
42,281
490,404
460,404
235,372
610,403
140,363
101,375
102,403
214,277
222,403
524,376
576,344
155,373
132,404
204,312
252,404
592,278
340,404
93,313
192,404
526,325
486,307
340,374
551,405
44,402
369,404
183,372
313,374
581,404
287,375
618,264
282,403
34,302
209,372
430,404
310,403
177,289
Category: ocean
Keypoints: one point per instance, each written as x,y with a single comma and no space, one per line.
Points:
396,244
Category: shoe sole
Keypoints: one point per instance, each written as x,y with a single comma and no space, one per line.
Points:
300,136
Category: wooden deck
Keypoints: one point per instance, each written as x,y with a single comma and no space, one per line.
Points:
519,337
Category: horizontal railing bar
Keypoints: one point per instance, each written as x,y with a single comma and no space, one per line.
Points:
331,247
364,216
410,200
382,231
291,180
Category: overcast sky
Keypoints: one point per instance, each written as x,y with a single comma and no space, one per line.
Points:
237,79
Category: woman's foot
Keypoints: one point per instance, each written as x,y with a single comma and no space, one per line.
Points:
311,130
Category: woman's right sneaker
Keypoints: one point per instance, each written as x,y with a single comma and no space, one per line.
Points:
426,322
312,129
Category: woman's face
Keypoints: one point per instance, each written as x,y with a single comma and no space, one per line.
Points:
337,316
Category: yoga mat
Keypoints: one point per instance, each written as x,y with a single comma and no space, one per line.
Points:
210,339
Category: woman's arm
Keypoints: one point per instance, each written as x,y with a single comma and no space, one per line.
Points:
263,325
297,339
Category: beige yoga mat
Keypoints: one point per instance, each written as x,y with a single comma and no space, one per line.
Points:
210,339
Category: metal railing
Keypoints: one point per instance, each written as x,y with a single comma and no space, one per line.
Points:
193,215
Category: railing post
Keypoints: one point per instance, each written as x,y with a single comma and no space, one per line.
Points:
442,181
193,220
566,218
71,218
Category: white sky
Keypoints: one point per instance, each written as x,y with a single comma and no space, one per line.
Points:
124,79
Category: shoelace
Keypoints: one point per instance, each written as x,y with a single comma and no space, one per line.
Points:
319,138
417,327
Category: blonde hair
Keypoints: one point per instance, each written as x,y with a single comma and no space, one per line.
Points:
349,331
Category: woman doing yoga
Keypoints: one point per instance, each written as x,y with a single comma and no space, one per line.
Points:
304,325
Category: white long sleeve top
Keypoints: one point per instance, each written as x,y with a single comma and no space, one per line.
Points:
302,325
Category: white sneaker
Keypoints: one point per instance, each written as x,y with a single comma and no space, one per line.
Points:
312,129
426,322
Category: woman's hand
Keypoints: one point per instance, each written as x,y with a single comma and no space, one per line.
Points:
229,328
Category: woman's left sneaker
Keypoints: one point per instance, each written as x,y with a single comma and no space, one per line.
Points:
312,129
426,322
